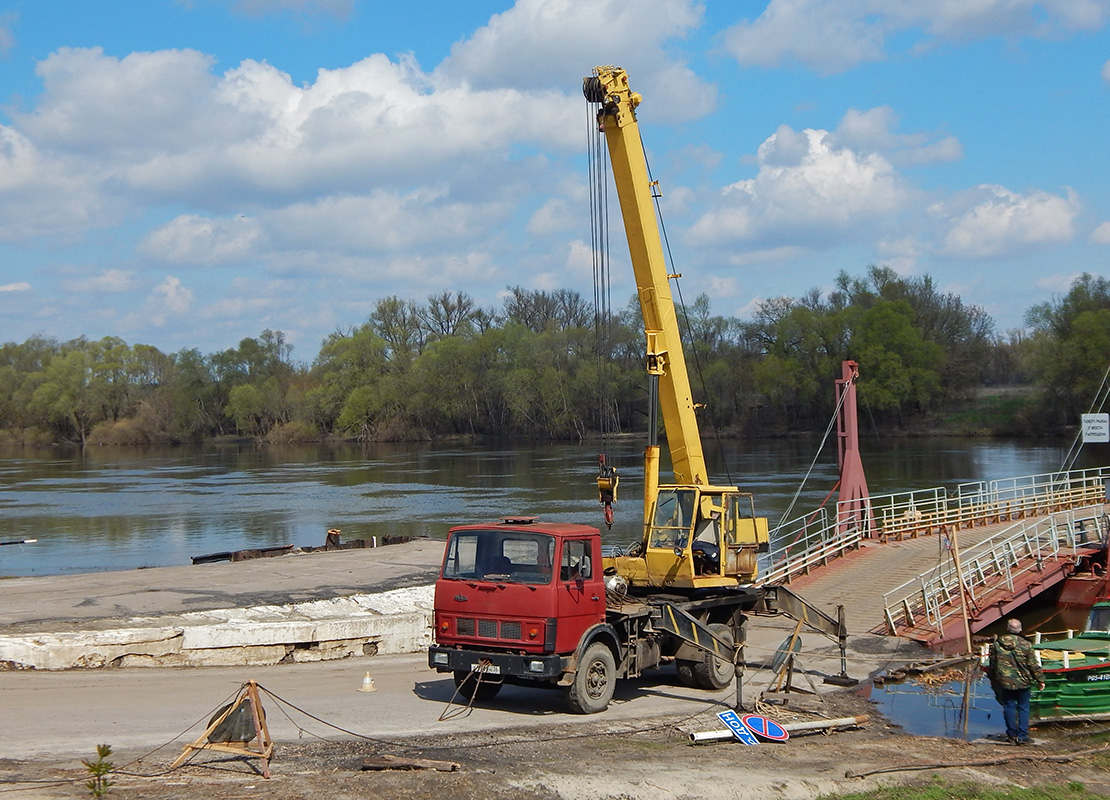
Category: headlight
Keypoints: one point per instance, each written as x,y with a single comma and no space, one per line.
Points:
535,666
440,658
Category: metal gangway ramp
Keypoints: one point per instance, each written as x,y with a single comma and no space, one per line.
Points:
999,574
892,569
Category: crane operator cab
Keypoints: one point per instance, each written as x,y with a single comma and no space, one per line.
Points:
697,537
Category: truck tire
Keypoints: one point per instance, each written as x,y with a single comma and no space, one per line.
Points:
710,672
594,680
469,687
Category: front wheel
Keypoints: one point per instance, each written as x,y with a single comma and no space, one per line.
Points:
710,672
594,680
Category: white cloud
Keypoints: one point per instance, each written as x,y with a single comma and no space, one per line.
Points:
543,44
1056,284
167,303
383,221
21,286
873,131
773,255
554,216
990,221
111,281
815,189
722,286
241,299
901,254
904,248
194,240
128,108
1101,234
831,37
825,36
41,196
159,127
807,188
580,257
7,38
18,160
749,309
169,299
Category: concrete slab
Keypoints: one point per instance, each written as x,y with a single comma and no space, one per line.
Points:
355,603
96,600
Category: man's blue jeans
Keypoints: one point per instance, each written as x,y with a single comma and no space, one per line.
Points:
1015,711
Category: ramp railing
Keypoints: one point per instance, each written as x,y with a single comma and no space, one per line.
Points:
931,600
800,545
912,514
805,543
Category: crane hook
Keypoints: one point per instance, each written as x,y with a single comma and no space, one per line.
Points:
607,481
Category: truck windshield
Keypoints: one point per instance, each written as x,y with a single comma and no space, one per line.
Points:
500,555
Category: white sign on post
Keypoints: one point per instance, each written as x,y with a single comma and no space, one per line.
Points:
1096,428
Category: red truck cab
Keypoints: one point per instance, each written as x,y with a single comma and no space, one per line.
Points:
515,599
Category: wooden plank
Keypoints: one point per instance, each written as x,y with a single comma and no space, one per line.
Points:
384,762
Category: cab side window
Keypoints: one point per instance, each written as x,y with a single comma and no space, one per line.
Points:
576,561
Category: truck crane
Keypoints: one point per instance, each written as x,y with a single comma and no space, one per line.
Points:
696,535
538,604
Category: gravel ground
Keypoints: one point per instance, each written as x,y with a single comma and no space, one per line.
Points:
589,759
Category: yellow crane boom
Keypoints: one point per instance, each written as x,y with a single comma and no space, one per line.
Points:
695,535
617,120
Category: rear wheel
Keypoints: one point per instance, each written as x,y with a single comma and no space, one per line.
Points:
710,672
686,672
594,680
476,686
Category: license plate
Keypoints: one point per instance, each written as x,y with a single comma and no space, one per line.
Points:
489,669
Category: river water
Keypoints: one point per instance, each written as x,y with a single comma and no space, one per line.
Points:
122,508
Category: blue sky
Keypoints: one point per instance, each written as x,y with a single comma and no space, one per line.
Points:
187,174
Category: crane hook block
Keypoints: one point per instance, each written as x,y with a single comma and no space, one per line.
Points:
607,481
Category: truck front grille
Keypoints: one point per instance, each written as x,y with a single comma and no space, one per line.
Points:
488,628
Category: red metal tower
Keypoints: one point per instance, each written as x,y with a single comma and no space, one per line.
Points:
853,508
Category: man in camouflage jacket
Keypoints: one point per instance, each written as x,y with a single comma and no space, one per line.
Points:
1013,669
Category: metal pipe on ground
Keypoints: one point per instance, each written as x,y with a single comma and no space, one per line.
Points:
708,737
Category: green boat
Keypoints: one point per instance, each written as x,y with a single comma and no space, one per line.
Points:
1076,671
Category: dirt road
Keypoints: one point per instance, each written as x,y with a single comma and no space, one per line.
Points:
522,745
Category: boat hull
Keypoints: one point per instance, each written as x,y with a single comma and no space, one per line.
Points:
1077,678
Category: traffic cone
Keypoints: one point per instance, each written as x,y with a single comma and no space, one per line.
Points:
368,684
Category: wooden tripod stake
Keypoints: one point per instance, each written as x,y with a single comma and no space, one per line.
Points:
963,592
248,694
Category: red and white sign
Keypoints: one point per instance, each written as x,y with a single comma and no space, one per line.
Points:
765,727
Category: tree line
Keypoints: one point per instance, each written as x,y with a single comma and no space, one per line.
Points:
544,365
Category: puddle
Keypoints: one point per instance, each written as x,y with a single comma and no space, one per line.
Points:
963,708
963,705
